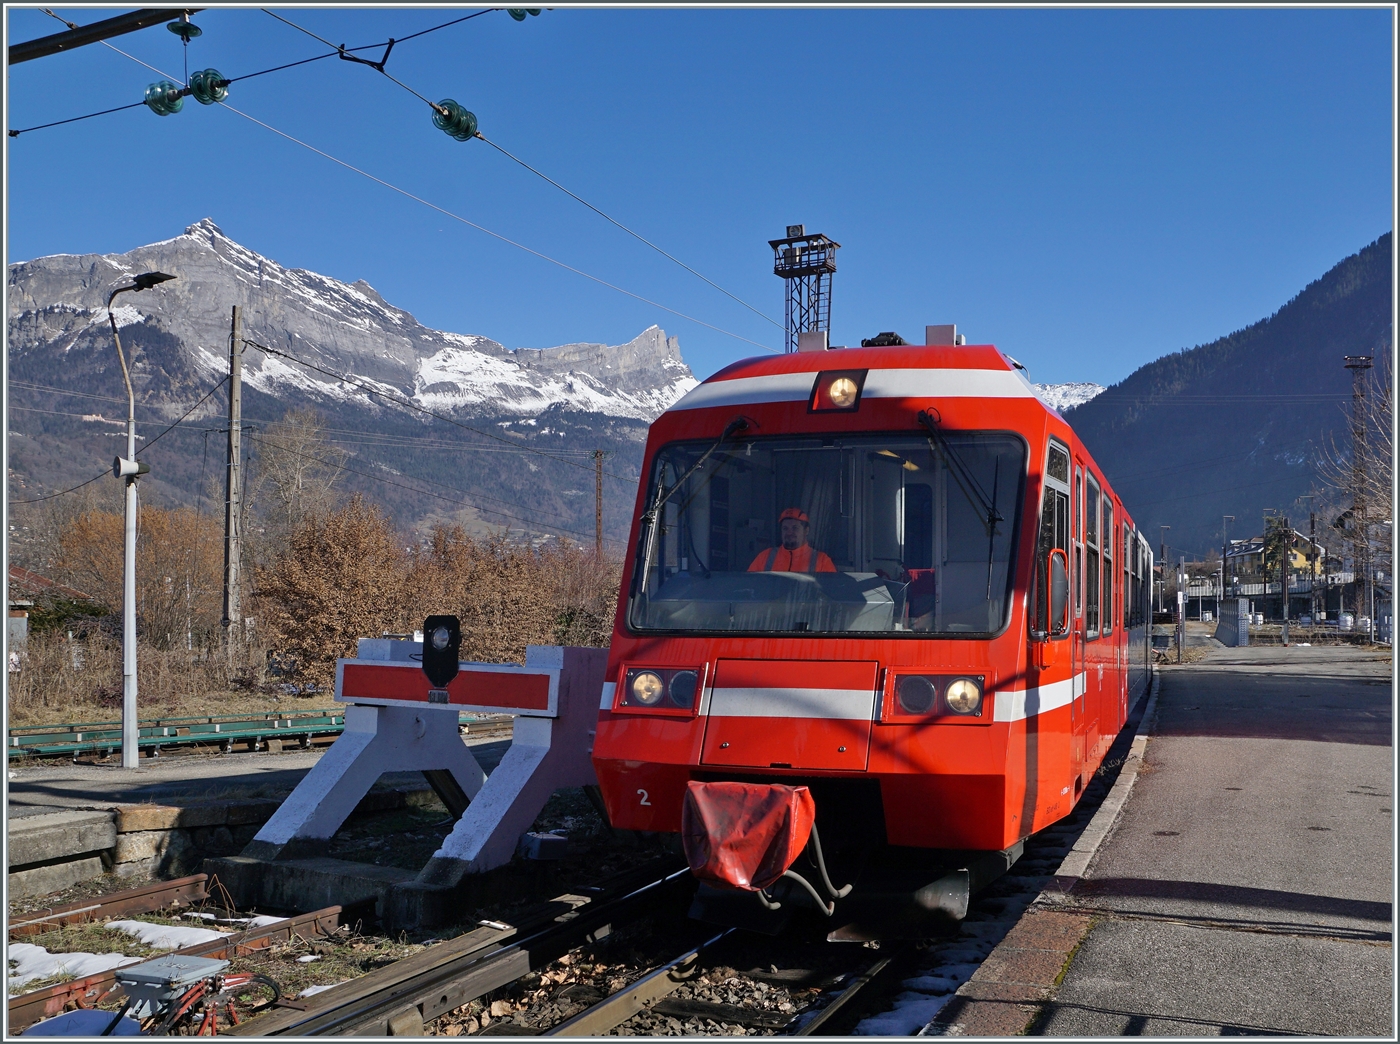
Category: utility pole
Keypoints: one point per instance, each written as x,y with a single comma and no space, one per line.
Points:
1225,521
1180,607
233,495
1361,543
598,504
1163,538
1312,559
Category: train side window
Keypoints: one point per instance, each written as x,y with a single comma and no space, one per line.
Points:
1110,538
1127,575
1054,529
1091,560
1078,579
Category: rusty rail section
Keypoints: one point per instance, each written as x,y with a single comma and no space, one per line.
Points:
29,1008
159,896
401,998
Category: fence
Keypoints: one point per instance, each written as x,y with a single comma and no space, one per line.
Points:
1233,628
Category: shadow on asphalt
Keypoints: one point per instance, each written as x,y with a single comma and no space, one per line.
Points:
1297,707
1233,895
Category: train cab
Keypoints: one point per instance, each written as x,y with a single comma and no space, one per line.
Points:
891,576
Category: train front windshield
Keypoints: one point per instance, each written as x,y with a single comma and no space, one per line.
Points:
859,534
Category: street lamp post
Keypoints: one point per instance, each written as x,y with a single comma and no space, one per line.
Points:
1225,521
1163,538
129,468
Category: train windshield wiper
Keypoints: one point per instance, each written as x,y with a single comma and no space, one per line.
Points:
968,481
649,519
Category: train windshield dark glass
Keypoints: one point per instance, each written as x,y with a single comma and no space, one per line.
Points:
855,534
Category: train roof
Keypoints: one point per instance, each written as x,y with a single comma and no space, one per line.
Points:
911,371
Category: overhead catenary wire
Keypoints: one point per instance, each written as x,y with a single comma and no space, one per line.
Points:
273,440
629,231
439,496
540,174
143,449
15,133
457,217
496,235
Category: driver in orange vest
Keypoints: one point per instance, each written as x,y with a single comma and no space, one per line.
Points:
795,555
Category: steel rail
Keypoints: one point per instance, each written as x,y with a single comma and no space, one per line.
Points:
29,1008
843,1002
145,899
401,998
613,1011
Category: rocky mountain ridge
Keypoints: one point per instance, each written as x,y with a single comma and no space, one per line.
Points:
56,301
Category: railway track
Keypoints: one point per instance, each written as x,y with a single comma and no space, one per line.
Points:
28,1008
272,730
400,998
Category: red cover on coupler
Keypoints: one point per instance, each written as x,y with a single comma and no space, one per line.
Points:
744,835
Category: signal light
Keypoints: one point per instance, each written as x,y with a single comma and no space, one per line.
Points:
163,98
442,643
208,86
454,120
519,13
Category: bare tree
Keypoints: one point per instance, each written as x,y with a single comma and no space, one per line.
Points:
297,470
1356,481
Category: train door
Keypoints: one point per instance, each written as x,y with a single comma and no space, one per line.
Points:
1077,632
1095,633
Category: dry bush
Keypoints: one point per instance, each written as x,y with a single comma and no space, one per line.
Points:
179,570
342,575
509,596
65,679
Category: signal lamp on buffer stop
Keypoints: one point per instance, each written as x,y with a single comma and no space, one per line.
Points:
442,643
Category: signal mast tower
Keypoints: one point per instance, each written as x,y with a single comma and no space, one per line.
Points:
806,264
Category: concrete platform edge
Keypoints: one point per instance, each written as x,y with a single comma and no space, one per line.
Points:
1006,993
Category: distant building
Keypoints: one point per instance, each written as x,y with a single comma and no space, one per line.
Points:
27,587
1246,557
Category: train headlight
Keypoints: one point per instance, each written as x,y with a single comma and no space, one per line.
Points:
915,693
646,689
843,392
963,696
665,690
682,688
837,390
440,637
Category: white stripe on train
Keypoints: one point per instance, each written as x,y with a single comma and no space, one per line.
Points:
879,384
858,704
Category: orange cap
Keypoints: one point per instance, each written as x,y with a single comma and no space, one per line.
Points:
796,513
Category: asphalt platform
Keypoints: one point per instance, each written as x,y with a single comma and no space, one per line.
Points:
53,786
1246,887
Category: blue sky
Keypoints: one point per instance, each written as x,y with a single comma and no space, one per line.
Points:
1087,189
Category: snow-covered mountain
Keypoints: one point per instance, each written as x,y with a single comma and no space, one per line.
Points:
1067,396
522,424
342,327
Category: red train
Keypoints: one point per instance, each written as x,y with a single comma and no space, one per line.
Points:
891,578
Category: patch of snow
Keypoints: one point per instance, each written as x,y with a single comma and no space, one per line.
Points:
256,921
1063,397
165,936
308,958
311,991
124,314
906,1018
29,962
